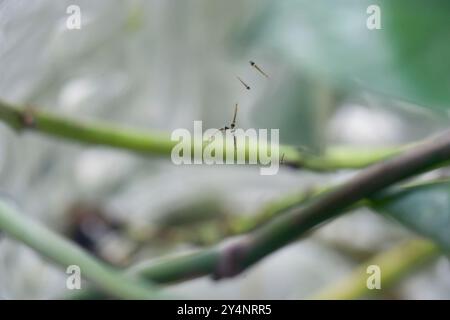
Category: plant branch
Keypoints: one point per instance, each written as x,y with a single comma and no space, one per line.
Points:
160,144
395,264
65,253
238,256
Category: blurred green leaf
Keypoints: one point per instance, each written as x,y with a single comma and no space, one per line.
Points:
424,209
406,59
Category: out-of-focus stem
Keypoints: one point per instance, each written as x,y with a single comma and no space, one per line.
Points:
395,264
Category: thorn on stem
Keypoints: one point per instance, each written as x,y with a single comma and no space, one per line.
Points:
254,65
28,117
244,84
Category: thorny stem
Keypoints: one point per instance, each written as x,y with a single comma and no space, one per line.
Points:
160,144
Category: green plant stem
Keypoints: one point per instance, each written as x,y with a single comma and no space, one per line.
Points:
83,131
160,144
394,264
65,253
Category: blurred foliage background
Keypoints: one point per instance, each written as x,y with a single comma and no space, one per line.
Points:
162,64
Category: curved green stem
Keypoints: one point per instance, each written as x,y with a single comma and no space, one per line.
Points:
65,253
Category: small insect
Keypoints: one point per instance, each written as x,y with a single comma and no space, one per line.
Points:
244,84
231,127
254,65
